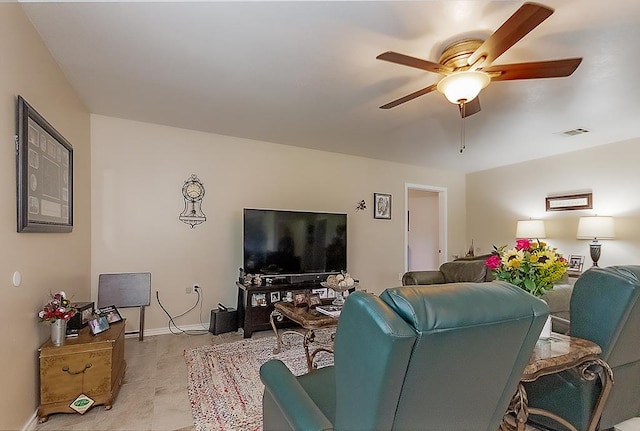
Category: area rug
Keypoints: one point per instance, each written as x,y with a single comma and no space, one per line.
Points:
225,390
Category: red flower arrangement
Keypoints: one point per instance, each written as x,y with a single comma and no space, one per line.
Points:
58,308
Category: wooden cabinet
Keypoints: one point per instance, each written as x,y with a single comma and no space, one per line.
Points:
255,304
90,365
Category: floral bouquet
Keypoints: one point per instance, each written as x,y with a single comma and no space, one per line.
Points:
531,265
58,308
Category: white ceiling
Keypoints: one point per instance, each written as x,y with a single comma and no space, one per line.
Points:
304,73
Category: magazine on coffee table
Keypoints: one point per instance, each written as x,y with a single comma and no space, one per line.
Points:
330,310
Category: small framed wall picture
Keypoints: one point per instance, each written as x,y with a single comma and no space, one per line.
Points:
274,297
581,201
382,206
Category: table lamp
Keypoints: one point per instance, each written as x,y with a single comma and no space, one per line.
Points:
594,228
530,229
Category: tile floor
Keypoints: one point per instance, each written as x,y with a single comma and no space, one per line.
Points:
154,393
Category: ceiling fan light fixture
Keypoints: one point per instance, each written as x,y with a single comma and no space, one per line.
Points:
463,86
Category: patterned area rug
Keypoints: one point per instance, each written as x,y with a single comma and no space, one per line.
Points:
225,390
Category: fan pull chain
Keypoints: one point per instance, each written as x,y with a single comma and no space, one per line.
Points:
463,106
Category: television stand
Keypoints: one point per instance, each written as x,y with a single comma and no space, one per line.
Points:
255,304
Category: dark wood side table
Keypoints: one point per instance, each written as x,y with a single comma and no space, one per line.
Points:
308,319
90,365
554,355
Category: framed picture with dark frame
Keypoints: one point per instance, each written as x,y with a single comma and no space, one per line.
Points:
274,296
98,325
382,206
111,313
583,201
44,160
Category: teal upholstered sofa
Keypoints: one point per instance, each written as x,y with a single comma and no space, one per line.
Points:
605,309
430,358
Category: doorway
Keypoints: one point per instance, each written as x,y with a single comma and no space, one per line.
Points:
425,230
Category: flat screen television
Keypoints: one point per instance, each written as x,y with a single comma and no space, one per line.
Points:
278,242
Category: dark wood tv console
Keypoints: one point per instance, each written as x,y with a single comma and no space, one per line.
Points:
255,304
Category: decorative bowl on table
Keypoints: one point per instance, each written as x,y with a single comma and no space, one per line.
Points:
339,283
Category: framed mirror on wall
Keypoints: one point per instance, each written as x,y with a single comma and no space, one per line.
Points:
44,166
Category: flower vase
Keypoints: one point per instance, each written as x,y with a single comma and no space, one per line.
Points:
546,329
58,332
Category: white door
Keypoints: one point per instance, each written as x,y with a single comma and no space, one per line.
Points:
426,223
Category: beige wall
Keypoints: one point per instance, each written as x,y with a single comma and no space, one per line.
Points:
138,170
47,262
497,198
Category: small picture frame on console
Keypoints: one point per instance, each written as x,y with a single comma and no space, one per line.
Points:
321,292
314,300
300,298
274,297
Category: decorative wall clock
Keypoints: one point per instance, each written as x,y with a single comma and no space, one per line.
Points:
193,192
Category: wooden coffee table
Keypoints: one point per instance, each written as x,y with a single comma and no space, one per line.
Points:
308,319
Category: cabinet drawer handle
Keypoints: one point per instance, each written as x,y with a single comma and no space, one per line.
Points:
86,367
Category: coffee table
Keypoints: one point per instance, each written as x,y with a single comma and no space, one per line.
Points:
308,319
554,355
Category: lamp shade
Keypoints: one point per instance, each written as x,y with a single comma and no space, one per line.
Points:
596,227
463,86
530,229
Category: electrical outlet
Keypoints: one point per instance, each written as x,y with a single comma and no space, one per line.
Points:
188,290
196,287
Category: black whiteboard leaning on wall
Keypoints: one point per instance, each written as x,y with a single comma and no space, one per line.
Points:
44,166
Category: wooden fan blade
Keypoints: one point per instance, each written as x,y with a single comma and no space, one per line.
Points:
525,19
470,108
418,63
408,97
533,70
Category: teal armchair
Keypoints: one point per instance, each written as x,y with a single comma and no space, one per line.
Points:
605,309
439,358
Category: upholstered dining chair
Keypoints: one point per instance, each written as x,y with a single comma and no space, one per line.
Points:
605,309
434,358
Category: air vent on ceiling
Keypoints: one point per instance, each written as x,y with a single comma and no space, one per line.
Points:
574,132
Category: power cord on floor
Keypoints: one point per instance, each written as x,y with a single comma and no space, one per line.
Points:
172,318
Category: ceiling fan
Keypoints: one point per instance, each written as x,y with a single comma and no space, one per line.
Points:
466,64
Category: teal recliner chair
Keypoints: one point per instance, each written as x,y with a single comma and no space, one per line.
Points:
439,358
605,309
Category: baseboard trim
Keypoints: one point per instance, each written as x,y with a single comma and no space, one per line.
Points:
165,330
31,423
